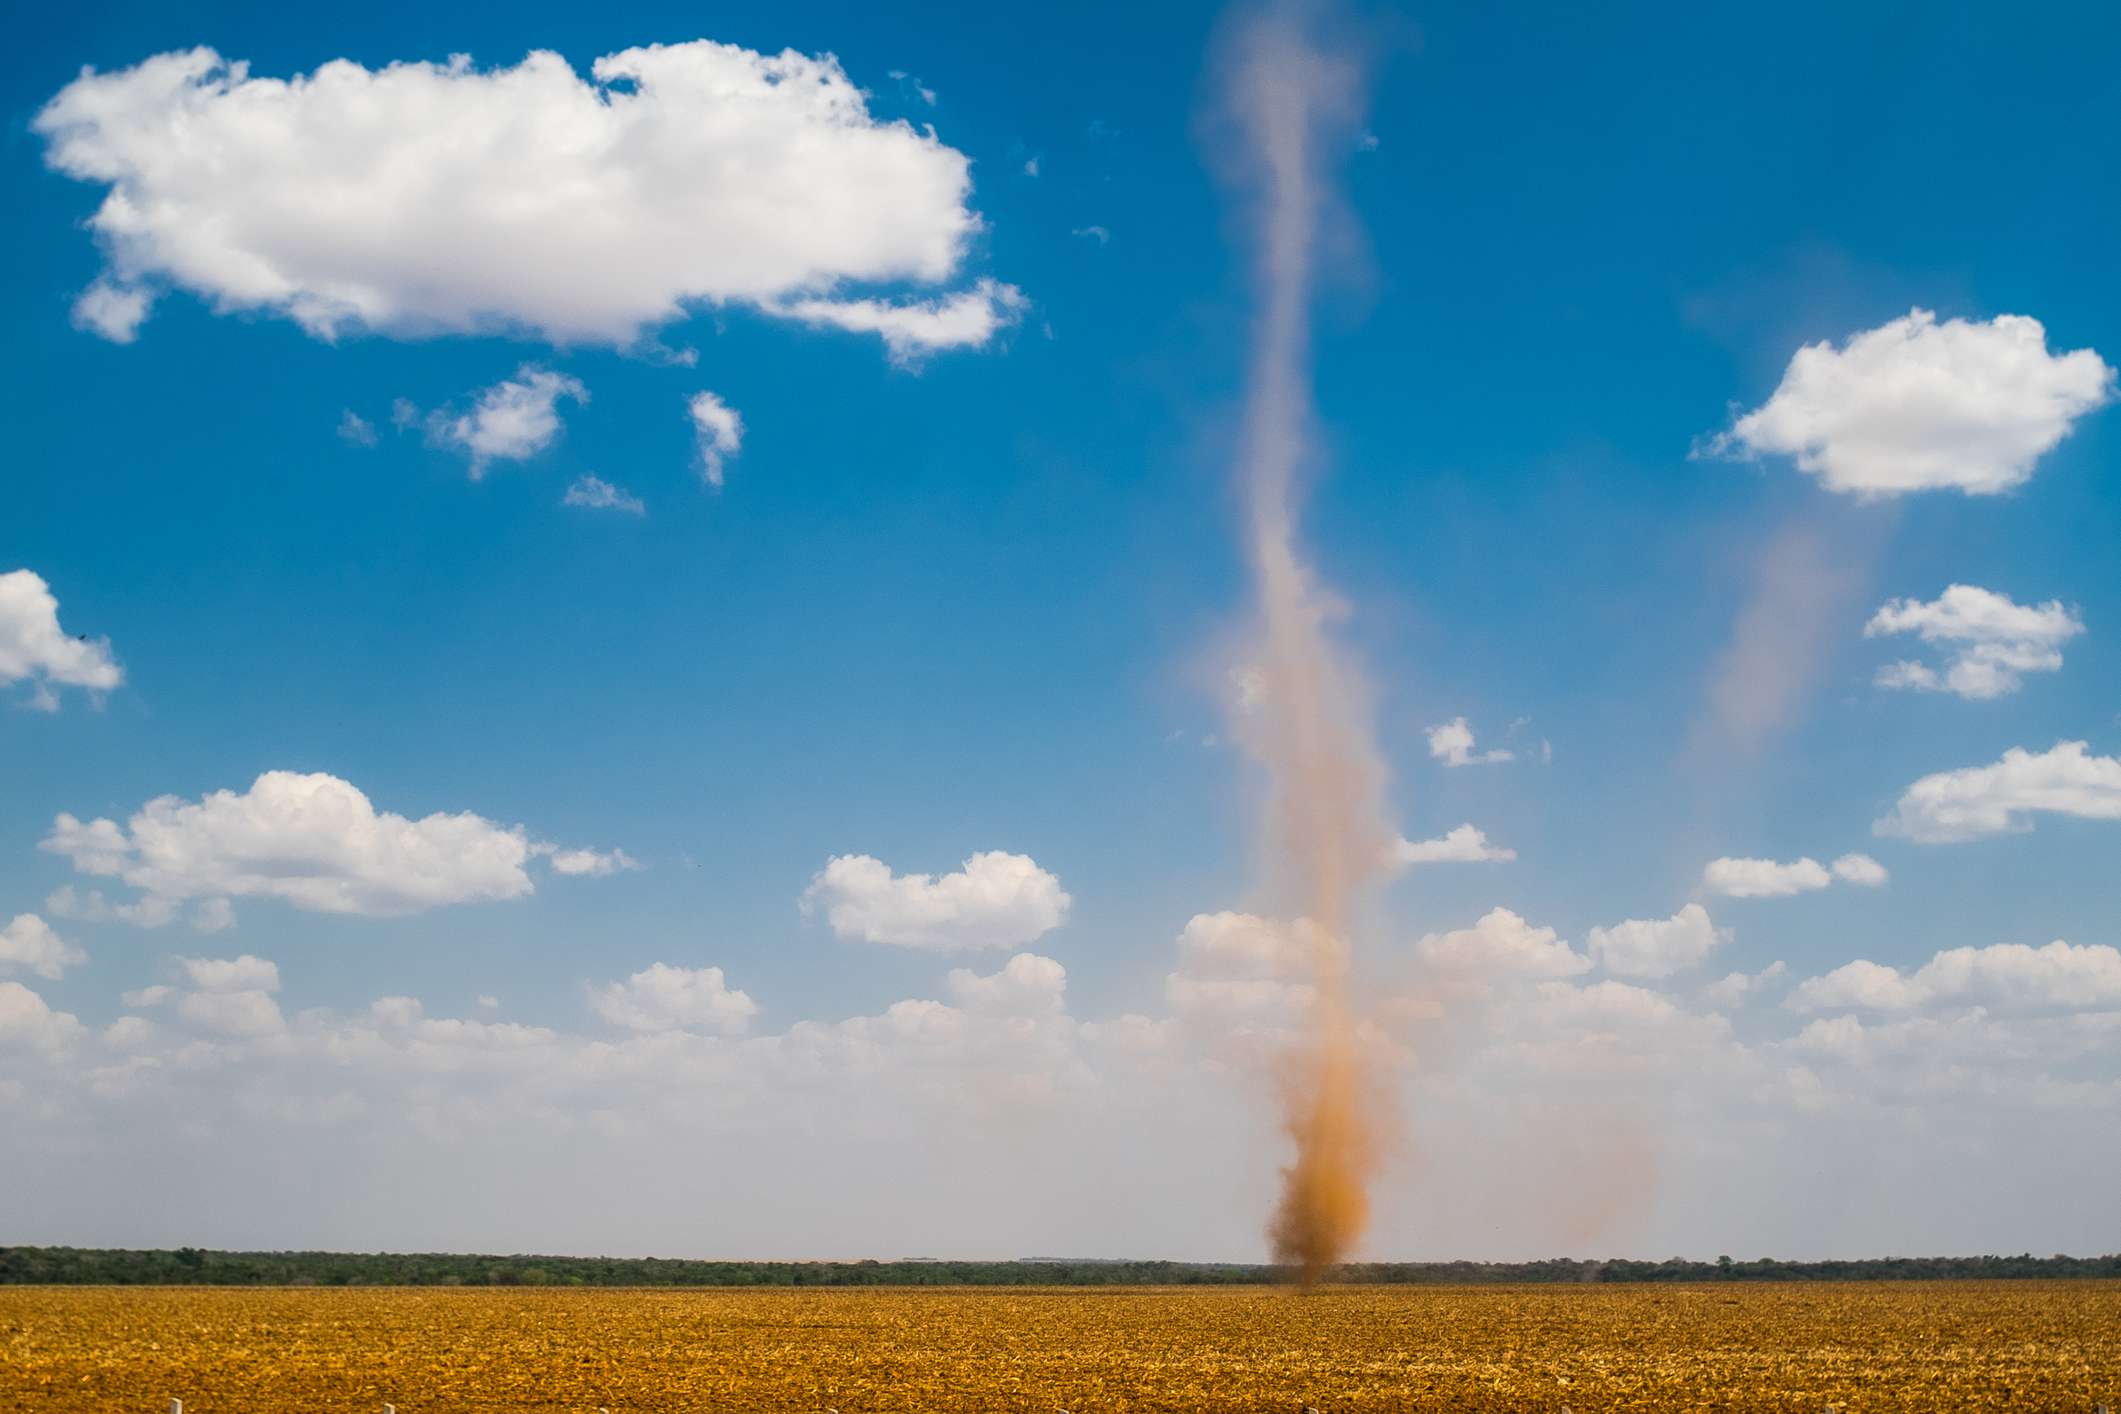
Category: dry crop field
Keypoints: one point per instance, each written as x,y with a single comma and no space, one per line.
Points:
2021,1346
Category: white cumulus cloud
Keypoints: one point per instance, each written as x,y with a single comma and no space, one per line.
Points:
1464,845
35,649
312,840
1452,744
1239,973
1241,945
2003,977
129,1033
1027,985
1947,807
1915,405
230,974
997,900
113,311
665,998
1501,946
227,996
1763,878
1992,642
422,198
1768,878
967,319
1733,988
1657,947
29,943
28,1023
513,420
1861,870
719,431
240,1015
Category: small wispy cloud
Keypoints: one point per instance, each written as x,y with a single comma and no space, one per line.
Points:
513,420
914,86
1452,744
356,429
720,431
596,494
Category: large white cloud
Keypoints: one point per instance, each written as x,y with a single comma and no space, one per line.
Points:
1465,845
29,943
997,900
1657,947
421,198
313,840
1949,806
2006,976
665,998
1612,1082
1992,640
1916,405
34,648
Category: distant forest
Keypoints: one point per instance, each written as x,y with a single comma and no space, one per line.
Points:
192,1266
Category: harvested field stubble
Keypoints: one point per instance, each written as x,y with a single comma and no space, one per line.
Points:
2019,1346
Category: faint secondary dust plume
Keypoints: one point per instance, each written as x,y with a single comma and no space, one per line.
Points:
1294,105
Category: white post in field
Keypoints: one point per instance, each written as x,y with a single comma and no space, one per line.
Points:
176,1406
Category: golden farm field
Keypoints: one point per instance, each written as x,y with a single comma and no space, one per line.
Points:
2021,1346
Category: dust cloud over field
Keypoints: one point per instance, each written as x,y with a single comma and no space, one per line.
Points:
1290,101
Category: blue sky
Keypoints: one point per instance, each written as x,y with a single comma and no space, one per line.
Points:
989,597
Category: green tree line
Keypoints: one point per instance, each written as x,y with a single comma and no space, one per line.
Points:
193,1266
